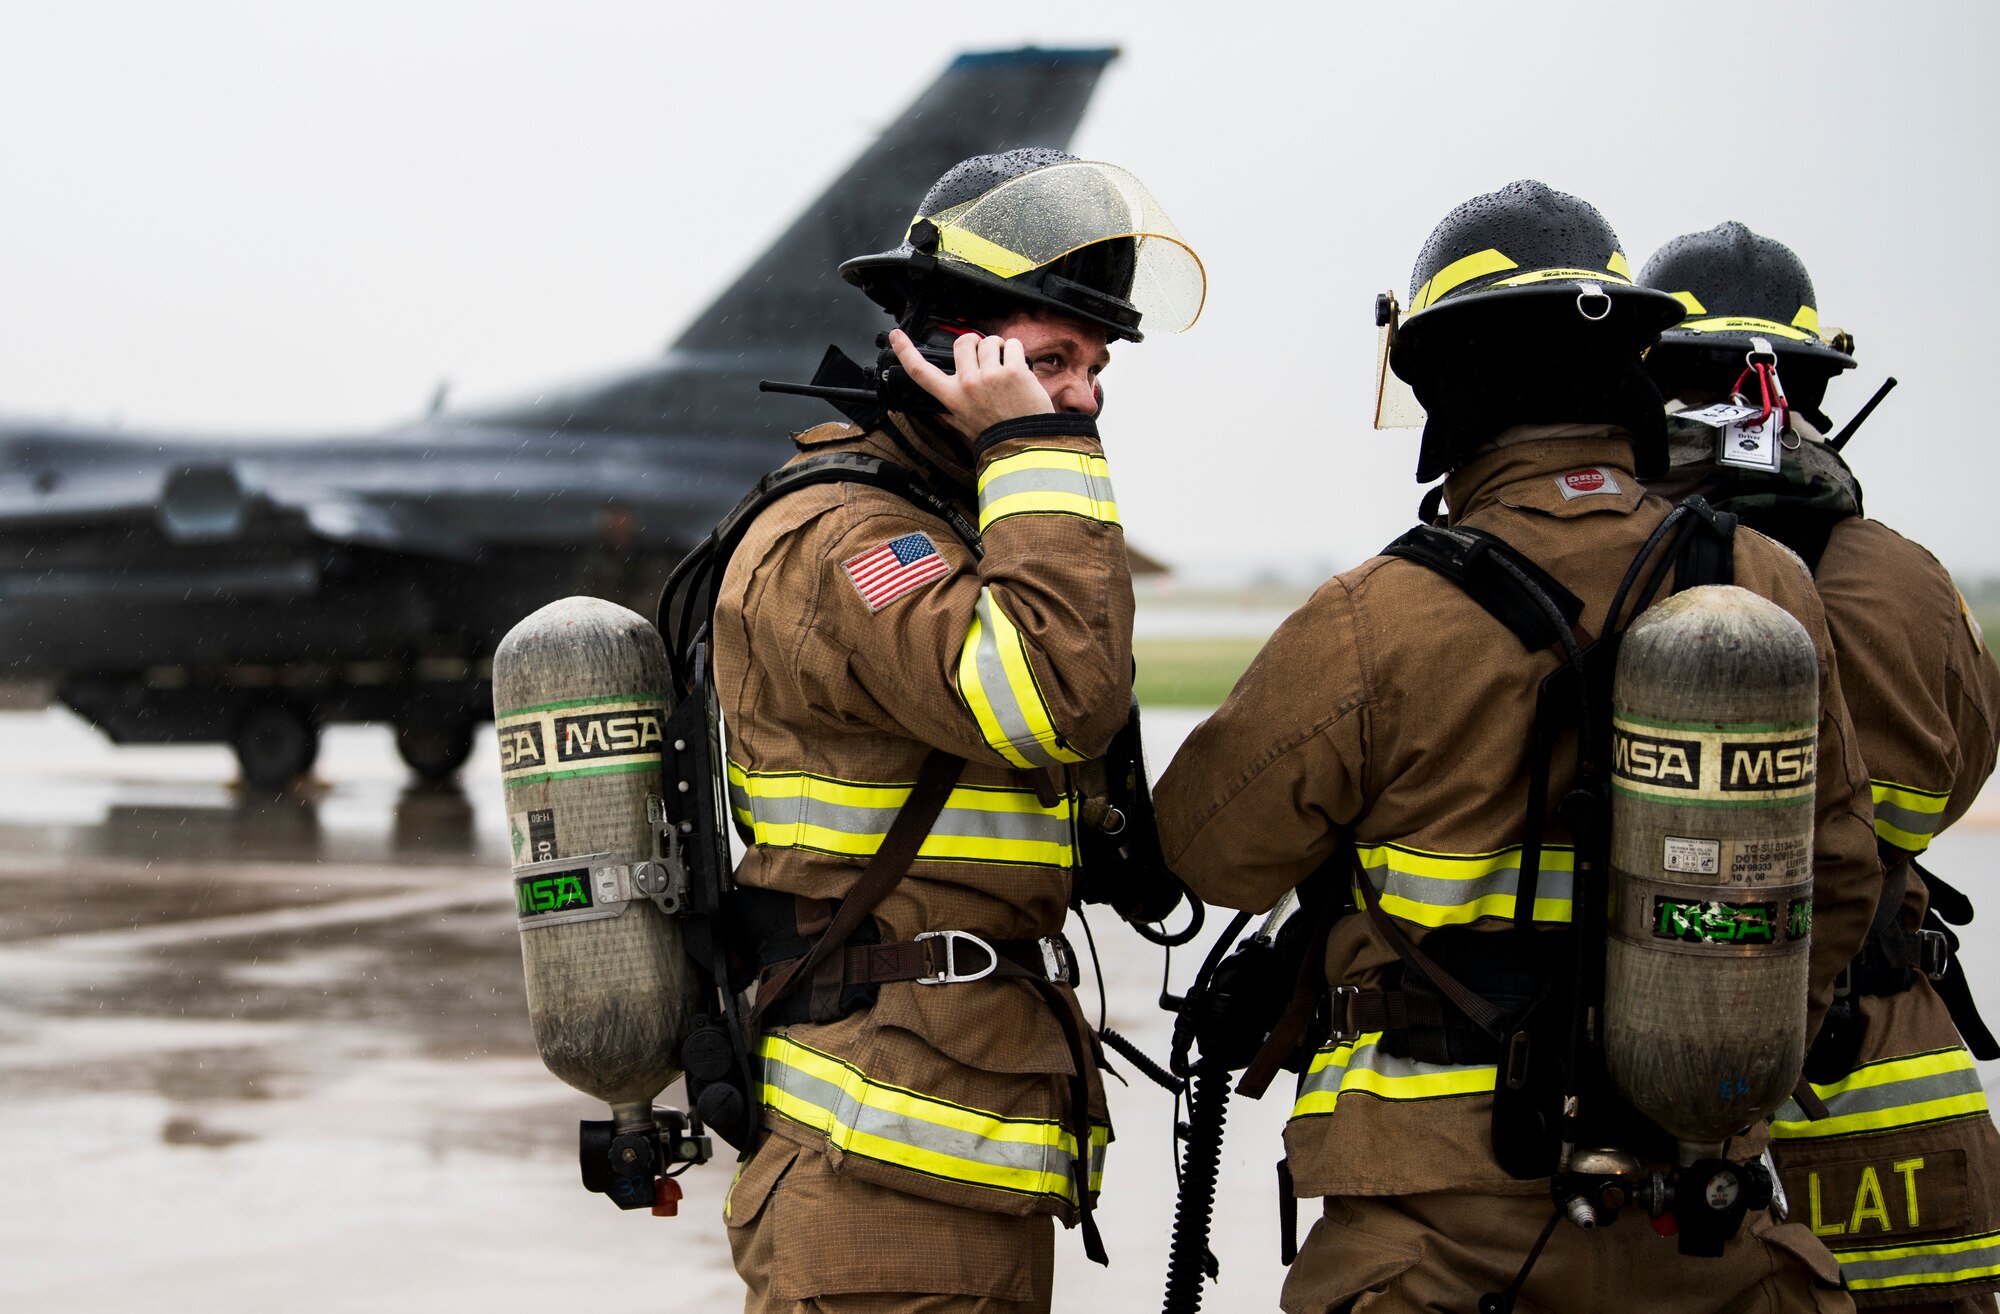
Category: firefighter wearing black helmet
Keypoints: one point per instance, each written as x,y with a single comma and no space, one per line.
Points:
1895,1162
1387,728
930,1097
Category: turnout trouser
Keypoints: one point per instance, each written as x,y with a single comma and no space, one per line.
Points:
806,1239
1440,1253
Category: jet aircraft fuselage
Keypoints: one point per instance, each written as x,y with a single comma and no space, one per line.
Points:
250,590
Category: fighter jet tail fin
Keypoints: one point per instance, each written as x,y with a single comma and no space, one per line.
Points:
790,303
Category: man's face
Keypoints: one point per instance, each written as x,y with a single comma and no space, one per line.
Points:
1066,354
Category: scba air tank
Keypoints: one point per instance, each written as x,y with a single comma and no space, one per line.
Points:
577,701
1715,730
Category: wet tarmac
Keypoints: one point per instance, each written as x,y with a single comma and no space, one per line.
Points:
273,1053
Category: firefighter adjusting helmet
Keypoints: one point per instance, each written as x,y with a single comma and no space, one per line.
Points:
1042,227
1735,285
1523,310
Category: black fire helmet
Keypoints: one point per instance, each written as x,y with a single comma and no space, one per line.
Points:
1523,311
1043,227
1735,285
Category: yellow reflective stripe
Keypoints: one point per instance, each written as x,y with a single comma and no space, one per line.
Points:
1906,1091
1619,265
968,246
1744,324
1451,889
1364,1068
1692,302
1047,481
1460,271
1905,816
979,823
998,686
1553,275
1807,319
899,1126
1921,1265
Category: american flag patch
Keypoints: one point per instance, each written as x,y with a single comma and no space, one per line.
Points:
888,572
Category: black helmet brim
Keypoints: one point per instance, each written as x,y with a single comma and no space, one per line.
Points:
1809,350
891,277
1637,315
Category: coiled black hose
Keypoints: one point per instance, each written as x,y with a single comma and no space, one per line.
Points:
1140,1060
1185,1264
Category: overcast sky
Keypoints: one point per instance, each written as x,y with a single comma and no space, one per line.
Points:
261,216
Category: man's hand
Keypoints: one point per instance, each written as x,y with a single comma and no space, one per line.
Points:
993,382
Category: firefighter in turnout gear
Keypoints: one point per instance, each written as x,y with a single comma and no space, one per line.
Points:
1384,738
1894,1161
910,689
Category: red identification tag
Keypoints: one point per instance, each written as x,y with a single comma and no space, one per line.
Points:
1587,482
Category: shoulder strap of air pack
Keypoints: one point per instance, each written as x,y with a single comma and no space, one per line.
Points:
688,600
1494,575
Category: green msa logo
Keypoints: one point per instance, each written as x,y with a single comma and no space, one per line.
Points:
558,891
1715,922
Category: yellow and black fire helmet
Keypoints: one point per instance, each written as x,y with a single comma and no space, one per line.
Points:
1735,285
1518,254
1043,227
1523,310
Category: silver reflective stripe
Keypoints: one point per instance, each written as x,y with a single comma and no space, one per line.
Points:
1908,820
979,825
847,1111
1000,696
1367,1058
1078,483
894,1125
1898,1092
1366,1068
1446,889
1920,1265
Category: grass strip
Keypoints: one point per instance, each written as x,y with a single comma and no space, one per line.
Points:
1190,672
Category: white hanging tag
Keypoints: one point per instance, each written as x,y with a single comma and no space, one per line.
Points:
1718,416
1752,443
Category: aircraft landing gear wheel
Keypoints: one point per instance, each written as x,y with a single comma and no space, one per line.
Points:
275,743
435,752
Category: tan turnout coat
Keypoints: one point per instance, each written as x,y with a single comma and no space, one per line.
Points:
1902,1181
1020,662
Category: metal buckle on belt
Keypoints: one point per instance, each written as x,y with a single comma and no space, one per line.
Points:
950,974
1055,958
1344,1030
1933,954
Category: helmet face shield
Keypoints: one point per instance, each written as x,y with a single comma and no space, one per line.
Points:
1396,404
1078,225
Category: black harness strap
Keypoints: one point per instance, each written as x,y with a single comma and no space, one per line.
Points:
884,871
1471,559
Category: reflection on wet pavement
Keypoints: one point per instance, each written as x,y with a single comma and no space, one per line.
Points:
277,1048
